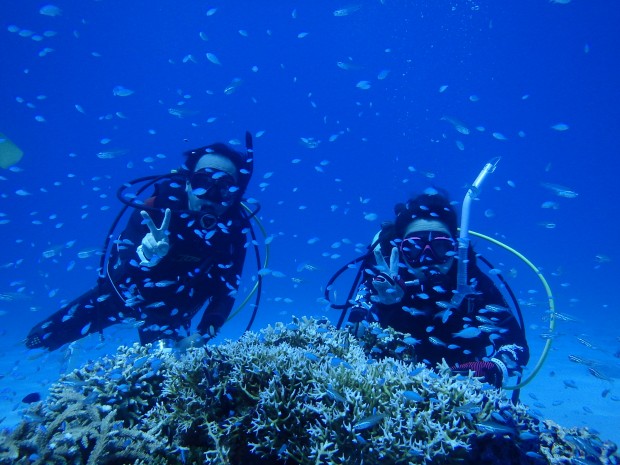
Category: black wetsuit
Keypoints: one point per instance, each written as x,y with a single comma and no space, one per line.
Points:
472,332
202,265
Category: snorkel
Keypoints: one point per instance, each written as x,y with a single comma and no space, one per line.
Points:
462,287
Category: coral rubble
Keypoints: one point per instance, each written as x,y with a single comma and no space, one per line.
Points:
298,393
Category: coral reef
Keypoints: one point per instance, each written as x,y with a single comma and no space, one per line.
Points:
298,393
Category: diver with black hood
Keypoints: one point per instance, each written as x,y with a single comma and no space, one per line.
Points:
410,284
159,277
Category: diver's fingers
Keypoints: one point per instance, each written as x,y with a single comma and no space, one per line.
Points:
381,263
158,233
394,259
166,222
150,242
148,221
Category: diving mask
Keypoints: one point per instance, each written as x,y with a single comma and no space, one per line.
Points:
214,185
427,247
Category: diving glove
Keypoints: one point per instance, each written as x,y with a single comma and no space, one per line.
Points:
387,282
155,244
490,372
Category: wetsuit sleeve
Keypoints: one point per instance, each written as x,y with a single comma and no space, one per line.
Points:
97,308
511,350
226,280
365,307
87,314
362,305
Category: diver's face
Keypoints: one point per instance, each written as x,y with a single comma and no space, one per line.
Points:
212,187
428,248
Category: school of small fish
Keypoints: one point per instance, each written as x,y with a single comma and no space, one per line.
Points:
67,239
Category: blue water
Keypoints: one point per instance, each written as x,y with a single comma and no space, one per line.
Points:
397,96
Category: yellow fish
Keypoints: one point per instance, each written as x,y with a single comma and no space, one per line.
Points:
10,154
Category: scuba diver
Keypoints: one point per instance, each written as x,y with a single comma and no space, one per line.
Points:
182,247
410,284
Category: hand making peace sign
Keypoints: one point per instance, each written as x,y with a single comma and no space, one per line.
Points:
155,244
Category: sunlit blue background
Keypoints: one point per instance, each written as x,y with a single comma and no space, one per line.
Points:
351,112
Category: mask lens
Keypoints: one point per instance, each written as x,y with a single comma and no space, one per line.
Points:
216,186
411,248
427,247
443,247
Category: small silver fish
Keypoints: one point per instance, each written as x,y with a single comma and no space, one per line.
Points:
156,305
598,374
444,315
493,427
413,396
436,341
581,360
484,320
559,190
469,408
110,154
312,357
563,316
368,422
468,333
101,298
332,393
569,383
412,311
492,329
347,10
445,305
494,309
586,343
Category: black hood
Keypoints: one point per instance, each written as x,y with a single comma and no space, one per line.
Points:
244,162
429,207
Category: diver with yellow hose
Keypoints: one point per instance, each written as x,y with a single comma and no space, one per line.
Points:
182,251
421,277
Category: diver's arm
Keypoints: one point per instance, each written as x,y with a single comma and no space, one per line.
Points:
87,314
362,306
512,352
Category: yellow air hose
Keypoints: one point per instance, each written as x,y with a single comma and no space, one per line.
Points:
545,352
